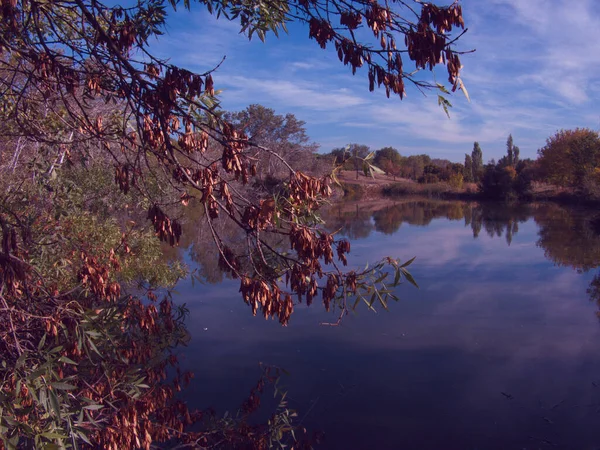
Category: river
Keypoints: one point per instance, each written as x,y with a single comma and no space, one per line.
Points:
497,349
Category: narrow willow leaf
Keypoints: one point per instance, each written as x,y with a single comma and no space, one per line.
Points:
54,403
409,262
62,386
93,407
409,278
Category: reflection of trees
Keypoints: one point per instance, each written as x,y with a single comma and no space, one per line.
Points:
594,292
388,220
567,235
498,219
568,238
201,246
420,213
354,223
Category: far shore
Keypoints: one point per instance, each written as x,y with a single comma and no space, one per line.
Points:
382,186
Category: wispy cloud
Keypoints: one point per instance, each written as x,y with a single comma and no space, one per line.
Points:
293,93
564,37
536,70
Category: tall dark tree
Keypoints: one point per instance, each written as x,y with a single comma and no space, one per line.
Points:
468,172
477,162
510,151
516,152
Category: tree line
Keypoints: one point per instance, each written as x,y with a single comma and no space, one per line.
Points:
570,160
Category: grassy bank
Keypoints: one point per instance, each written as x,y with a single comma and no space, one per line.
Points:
363,188
435,191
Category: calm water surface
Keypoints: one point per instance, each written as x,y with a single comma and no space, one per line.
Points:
498,349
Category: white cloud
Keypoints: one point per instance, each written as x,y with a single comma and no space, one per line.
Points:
535,71
310,95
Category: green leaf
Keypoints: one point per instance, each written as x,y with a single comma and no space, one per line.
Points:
93,346
51,435
372,300
409,262
382,301
66,360
42,341
445,104
93,407
409,278
83,436
381,278
62,386
20,361
55,404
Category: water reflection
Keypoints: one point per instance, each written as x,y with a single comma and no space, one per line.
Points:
497,350
495,219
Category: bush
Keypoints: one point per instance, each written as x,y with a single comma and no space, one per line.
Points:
504,183
353,191
456,180
436,190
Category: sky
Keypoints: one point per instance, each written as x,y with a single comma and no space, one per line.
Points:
535,70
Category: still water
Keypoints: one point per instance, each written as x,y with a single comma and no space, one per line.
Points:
498,349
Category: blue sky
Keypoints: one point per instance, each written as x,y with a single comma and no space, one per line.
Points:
536,70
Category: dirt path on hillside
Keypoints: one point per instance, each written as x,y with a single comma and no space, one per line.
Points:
349,176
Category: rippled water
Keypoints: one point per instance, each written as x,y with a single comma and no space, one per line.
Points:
498,349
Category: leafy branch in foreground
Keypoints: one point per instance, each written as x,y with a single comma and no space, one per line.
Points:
85,360
372,286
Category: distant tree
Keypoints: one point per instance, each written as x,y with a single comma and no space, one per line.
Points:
390,167
283,135
468,172
431,174
510,150
456,180
438,170
516,152
358,153
414,166
442,163
456,168
339,155
394,170
477,162
497,182
385,154
502,181
571,158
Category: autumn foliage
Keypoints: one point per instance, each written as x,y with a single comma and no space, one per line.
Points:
571,158
86,361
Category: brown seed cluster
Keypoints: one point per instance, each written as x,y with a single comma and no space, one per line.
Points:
166,229
428,47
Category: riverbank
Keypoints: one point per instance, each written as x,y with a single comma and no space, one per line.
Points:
383,186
